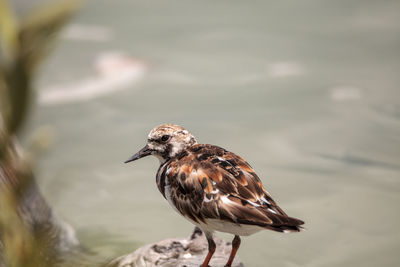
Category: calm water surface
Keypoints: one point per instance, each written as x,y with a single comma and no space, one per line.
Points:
306,91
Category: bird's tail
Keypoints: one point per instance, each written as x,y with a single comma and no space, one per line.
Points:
288,226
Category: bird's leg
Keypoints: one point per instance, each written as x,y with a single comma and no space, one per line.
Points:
211,249
235,247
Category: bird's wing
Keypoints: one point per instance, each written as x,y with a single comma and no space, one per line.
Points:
211,183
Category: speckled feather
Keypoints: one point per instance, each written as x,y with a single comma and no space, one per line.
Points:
208,182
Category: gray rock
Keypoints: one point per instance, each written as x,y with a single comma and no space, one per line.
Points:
177,252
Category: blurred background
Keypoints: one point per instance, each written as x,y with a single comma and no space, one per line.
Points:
306,91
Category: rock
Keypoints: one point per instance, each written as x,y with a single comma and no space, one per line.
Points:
178,252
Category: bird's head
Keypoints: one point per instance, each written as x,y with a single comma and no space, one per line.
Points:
164,142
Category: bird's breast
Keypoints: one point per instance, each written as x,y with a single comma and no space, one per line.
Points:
161,178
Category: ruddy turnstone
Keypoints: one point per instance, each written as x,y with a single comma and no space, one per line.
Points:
213,188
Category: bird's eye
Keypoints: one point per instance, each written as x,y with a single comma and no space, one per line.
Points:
165,138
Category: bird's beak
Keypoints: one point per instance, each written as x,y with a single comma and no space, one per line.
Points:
144,152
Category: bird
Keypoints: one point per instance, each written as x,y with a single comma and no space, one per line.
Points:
216,190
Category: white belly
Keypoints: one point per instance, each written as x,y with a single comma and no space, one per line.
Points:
212,225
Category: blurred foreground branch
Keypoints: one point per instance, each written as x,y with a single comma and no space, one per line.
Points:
30,234
24,45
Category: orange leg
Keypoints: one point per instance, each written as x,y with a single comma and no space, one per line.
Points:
211,249
235,247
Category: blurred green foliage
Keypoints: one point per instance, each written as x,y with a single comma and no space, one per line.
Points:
23,45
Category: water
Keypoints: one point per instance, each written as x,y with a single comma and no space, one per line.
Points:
306,91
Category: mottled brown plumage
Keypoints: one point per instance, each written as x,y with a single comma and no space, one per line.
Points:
213,188
200,176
